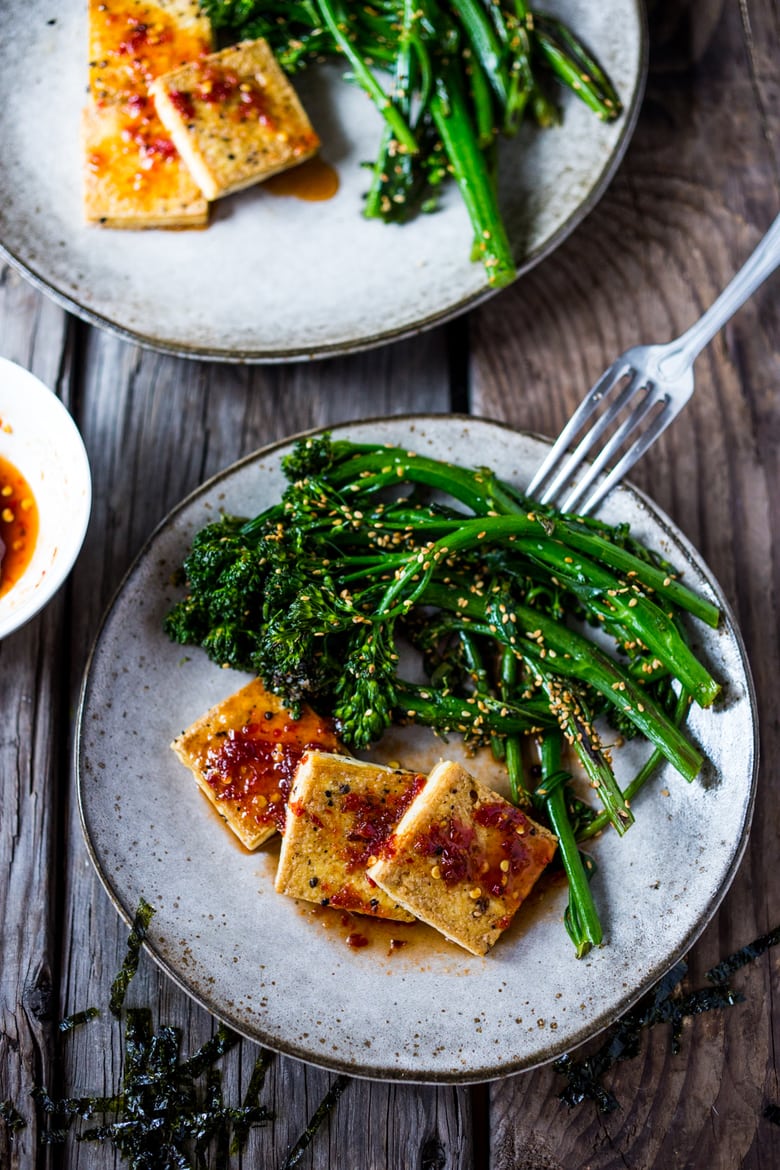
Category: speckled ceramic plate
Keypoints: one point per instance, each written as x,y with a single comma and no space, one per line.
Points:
274,279
283,974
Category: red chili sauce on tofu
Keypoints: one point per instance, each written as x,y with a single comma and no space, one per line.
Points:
218,86
18,525
374,817
488,862
137,47
135,155
256,765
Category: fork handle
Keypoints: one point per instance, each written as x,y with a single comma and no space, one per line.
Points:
754,272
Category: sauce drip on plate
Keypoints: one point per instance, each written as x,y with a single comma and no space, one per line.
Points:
314,181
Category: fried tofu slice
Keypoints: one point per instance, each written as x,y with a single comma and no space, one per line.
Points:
133,41
463,859
340,813
133,175
234,118
244,753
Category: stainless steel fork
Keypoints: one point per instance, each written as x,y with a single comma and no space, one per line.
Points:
640,394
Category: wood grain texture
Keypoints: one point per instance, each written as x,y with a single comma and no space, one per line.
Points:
32,332
696,192
700,184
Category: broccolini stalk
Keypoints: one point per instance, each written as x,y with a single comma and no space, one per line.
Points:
336,20
623,604
513,747
646,621
575,67
370,470
635,786
582,920
465,72
577,726
450,114
574,657
475,718
484,45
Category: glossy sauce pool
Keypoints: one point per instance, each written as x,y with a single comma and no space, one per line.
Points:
18,524
313,181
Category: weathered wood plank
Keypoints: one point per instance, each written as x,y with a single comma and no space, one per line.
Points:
33,332
695,194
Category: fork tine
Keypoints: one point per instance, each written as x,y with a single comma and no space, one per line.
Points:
635,452
586,408
570,466
616,441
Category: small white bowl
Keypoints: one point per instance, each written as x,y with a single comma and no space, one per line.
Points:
41,440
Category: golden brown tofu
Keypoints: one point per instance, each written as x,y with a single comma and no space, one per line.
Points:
463,859
234,118
133,176
133,41
244,753
340,813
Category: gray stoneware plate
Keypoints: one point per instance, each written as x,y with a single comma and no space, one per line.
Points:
273,279
280,971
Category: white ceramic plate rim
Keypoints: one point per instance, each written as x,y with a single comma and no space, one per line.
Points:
375,1068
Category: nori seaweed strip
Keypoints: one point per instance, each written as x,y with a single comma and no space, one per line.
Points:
251,1103
721,971
325,1106
143,917
622,1043
216,1125
221,1042
61,1111
12,1117
159,1111
772,1113
73,1021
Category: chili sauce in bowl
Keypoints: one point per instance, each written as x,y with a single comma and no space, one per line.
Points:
45,495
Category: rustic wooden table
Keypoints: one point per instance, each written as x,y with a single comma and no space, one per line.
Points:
699,186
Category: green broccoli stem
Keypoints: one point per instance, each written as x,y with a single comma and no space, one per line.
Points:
484,45
650,766
574,657
449,110
645,620
633,611
481,490
513,751
650,576
582,920
473,717
336,21
576,68
576,724
479,677
363,471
